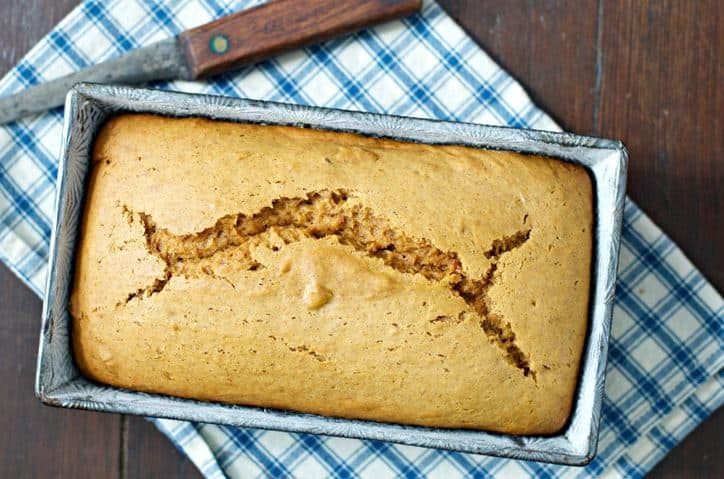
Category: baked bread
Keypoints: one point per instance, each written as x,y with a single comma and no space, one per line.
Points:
333,273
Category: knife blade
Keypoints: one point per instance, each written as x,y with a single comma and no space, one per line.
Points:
239,39
160,61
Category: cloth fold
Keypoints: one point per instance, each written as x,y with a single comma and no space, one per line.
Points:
665,372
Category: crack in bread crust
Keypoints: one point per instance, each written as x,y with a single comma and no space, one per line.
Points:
328,213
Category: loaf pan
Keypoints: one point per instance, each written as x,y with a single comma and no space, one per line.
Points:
59,383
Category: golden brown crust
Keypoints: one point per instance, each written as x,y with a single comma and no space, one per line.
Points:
336,274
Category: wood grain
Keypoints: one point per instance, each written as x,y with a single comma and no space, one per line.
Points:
275,27
699,456
149,454
646,71
549,45
661,93
39,441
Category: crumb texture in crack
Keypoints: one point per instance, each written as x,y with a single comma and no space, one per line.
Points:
507,243
323,214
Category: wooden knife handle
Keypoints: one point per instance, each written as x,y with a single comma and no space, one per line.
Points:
280,25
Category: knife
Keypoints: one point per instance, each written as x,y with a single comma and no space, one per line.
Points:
238,39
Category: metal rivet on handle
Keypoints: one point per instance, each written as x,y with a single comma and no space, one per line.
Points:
219,44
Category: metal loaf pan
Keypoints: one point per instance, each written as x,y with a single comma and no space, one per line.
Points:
59,383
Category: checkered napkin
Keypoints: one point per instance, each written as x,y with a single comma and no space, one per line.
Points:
666,357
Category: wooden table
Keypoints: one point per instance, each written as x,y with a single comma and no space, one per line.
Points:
646,71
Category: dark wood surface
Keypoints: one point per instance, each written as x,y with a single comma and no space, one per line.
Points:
646,71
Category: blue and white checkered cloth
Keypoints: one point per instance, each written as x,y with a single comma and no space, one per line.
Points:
666,362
